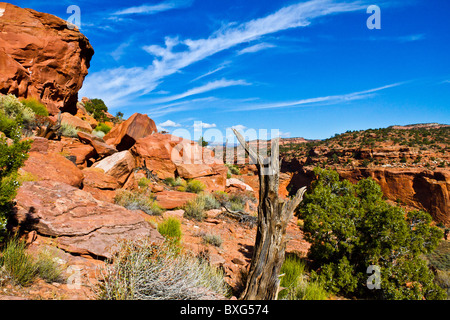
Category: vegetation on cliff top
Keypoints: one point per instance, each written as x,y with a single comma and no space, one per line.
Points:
427,146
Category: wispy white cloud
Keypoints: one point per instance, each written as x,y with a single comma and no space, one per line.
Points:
170,123
412,37
199,125
120,50
168,61
153,8
239,127
334,99
223,83
179,106
221,67
256,48
407,38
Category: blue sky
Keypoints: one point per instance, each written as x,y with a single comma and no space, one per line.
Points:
307,68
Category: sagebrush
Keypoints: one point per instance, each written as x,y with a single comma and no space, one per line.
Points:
140,270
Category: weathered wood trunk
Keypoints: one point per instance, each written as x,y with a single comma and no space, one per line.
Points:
274,214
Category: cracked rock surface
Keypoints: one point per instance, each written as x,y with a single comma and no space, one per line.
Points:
80,223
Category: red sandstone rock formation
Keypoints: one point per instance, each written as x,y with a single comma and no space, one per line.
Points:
40,57
124,136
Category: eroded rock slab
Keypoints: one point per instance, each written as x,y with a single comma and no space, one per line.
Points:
80,223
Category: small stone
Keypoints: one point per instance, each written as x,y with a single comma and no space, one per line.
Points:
238,261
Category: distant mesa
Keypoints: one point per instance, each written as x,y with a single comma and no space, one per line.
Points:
420,126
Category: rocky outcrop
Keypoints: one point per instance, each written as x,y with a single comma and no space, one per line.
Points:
80,223
118,165
41,57
217,180
54,167
77,123
100,185
173,199
419,188
97,178
234,183
82,152
100,146
124,136
169,156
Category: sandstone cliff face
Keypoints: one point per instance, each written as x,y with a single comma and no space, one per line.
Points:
41,58
418,188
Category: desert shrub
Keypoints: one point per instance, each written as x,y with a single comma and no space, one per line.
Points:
17,263
171,230
195,186
37,107
178,182
365,163
236,206
7,125
233,169
235,201
195,209
144,182
296,284
103,127
212,239
439,259
97,108
293,268
12,157
210,201
138,201
350,227
140,270
307,290
47,266
68,130
222,197
12,108
169,181
99,134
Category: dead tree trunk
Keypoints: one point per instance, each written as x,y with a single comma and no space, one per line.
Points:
274,214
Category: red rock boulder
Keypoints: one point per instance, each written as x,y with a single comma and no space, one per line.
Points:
77,123
41,57
80,223
173,199
119,165
101,148
167,156
124,136
53,167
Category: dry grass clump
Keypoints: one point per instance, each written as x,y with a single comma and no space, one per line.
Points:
138,201
140,270
23,269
